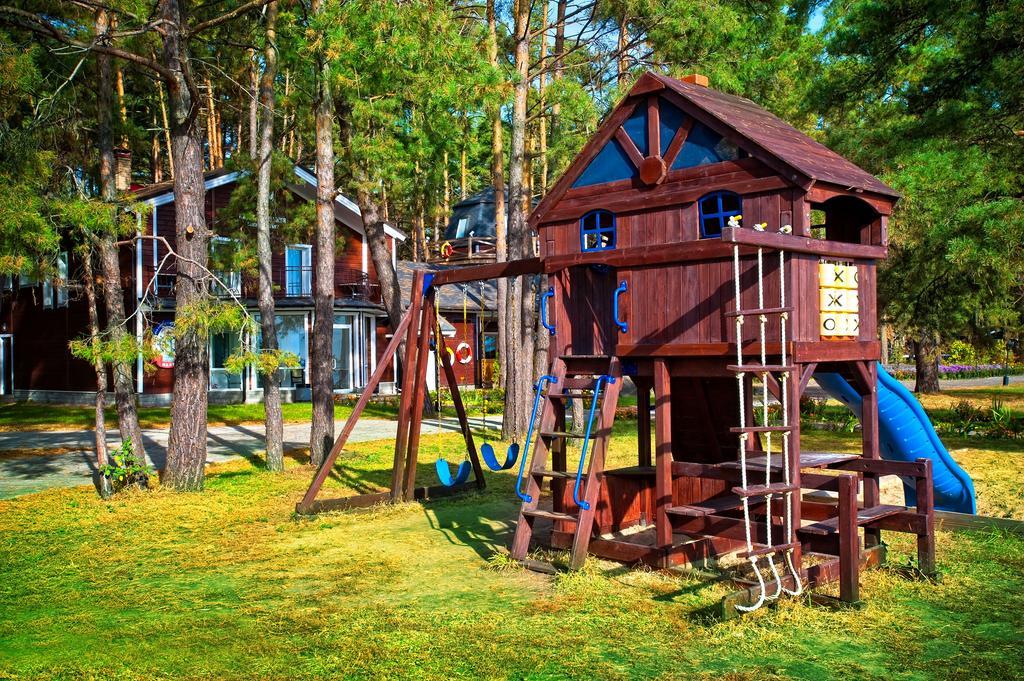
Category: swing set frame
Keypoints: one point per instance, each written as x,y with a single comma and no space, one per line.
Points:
418,324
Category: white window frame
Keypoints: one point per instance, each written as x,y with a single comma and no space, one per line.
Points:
222,370
232,278
305,273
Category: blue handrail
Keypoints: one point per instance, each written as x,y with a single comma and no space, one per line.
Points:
585,505
623,327
529,434
550,293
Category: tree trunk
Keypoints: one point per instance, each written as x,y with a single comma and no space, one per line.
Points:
186,446
519,324
623,63
167,128
113,295
498,182
321,435
103,486
271,380
926,357
254,134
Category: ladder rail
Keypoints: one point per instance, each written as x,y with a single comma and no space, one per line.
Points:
601,381
541,382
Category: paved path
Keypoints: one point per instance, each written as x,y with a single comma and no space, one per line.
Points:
26,474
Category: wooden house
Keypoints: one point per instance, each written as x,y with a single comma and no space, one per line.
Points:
38,319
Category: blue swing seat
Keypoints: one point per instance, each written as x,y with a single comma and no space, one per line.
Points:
444,473
487,452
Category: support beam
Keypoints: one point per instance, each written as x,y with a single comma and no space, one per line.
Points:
849,541
869,441
308,499
663,449
408,373
926,508
419,392
643,421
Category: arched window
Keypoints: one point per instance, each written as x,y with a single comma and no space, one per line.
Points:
715,210
597,231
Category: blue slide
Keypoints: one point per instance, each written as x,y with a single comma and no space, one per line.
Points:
906,434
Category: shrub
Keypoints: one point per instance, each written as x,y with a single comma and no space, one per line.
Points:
965,417
126,470
1005,422
962,353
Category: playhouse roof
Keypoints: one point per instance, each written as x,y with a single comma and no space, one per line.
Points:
778,138
792,155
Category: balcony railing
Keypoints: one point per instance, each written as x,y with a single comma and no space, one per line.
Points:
291,282
298,281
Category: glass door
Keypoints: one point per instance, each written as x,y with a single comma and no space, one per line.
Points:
342,350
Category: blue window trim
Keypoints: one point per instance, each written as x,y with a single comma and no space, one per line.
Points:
719,215
600,229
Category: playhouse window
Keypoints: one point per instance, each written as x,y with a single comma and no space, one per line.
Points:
715,210
597,231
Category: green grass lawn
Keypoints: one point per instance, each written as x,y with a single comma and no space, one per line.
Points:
230,584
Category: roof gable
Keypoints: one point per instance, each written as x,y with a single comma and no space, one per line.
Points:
696,126
345,209
778,138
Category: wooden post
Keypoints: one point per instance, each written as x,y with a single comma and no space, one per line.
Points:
408,372
427,320
591,489
460,411
849,541
663,448
794,389
926,507
643,420
870,444
350,424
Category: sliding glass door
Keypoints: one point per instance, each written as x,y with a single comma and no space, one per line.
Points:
343,351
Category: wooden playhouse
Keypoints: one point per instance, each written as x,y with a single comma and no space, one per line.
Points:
679,250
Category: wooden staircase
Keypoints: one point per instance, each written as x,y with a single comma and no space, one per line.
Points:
596,380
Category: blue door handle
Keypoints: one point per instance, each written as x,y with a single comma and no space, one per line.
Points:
623,327
550,293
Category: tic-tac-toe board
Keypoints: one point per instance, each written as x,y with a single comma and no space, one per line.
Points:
839,301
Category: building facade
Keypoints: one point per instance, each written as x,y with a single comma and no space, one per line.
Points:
39,318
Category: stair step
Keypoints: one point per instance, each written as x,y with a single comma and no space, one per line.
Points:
553,474
757,311
700,509
572,395
759,368
864,517
550,515
765,550
563,434
762,490
762,429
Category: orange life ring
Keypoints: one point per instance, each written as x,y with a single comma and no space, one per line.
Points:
464,353
447,250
